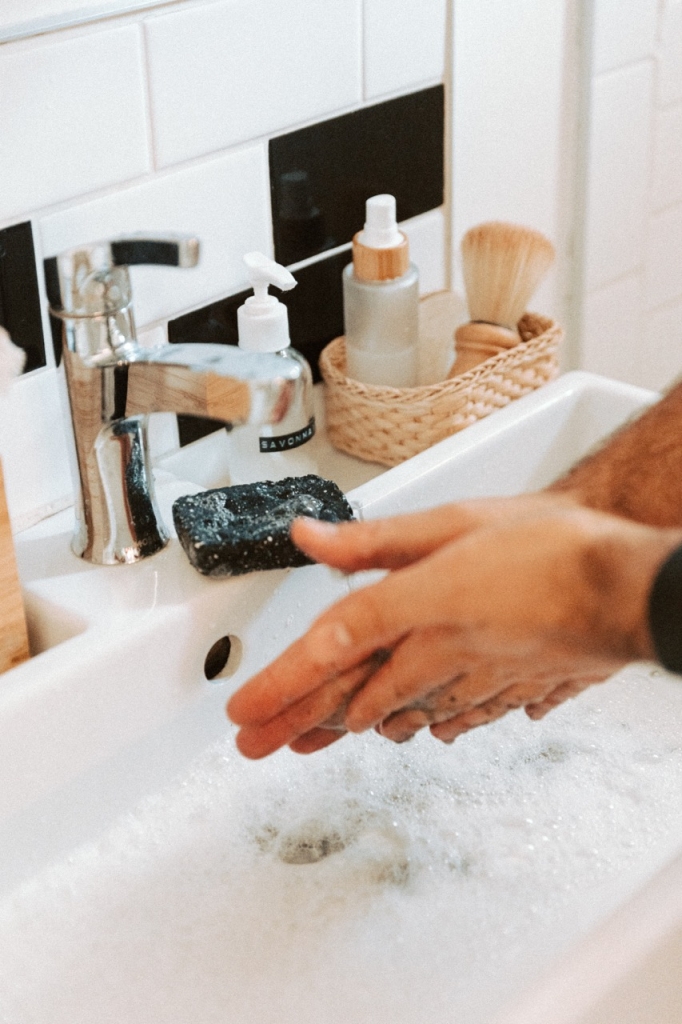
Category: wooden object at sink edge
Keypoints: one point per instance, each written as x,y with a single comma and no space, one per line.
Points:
13,631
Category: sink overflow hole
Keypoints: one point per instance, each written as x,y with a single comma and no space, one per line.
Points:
223,658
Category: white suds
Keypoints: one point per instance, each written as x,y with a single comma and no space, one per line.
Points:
367,883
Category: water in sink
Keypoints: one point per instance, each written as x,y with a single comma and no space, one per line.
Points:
367,883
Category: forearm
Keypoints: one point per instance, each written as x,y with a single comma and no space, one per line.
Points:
638,473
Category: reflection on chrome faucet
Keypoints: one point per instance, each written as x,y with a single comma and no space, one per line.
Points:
113,384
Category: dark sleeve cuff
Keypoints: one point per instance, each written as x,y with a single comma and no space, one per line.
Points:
665,612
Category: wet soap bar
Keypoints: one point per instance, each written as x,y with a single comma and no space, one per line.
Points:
234,530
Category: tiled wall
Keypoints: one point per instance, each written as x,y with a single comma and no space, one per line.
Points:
160,120
632,316
511,138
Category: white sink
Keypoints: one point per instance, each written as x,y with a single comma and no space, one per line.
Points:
148,873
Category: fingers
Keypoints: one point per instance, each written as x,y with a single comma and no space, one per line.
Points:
316,739
512,697
313,711
537,698
403,725
382,543
344,636
419,664
561,693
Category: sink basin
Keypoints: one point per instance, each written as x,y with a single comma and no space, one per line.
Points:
148,873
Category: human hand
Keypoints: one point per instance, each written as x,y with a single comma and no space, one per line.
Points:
489,605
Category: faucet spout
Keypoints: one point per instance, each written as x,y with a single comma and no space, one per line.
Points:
217,381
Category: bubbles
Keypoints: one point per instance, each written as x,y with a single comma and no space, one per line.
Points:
424,880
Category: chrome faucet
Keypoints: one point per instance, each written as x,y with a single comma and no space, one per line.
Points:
113,383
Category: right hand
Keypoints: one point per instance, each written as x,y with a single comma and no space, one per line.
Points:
489,605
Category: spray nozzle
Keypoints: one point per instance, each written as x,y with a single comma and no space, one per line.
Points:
381,225
263,272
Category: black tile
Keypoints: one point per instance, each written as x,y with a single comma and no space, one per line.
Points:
315,317
19,295
321,177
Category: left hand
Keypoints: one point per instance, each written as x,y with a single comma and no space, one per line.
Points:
490,605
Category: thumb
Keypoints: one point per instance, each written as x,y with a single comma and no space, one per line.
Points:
382,543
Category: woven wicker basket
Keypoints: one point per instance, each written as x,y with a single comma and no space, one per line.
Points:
388,425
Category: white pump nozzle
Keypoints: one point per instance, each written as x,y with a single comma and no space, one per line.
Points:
381,226
264,272
262,321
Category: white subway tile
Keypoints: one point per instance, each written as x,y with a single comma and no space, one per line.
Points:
508,95
35,455
664,257
612,333
404,44
667,173
19,18
619,160
223,201
623,32
670,68
72,117
227,72
426,235
661,356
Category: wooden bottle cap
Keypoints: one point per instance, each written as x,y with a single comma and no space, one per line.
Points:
380,264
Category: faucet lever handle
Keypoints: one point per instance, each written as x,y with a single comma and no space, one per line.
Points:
69,277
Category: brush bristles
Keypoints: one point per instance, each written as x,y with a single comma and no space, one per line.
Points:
503,265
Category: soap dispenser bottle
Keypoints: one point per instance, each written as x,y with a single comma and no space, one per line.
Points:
381,302
278,450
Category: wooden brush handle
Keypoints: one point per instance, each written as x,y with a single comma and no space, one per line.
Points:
475,342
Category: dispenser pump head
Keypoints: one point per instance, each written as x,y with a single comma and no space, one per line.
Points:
262,321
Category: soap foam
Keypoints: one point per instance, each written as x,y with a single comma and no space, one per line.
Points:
369,882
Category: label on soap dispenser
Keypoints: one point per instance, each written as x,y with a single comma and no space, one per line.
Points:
286,442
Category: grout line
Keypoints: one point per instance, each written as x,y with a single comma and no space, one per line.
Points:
663,306
363,52
573,184
79,19
632,63
319,257
448,144
25,520
149,120
618,279
651,140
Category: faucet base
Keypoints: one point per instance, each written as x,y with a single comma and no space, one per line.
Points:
125,555
118,521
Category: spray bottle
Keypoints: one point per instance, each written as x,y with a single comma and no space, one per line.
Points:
381,302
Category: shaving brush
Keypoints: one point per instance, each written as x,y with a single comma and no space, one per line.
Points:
503,264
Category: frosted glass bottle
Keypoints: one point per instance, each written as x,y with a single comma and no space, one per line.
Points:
381,322
381,302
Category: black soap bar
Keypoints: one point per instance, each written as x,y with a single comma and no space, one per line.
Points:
234,530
